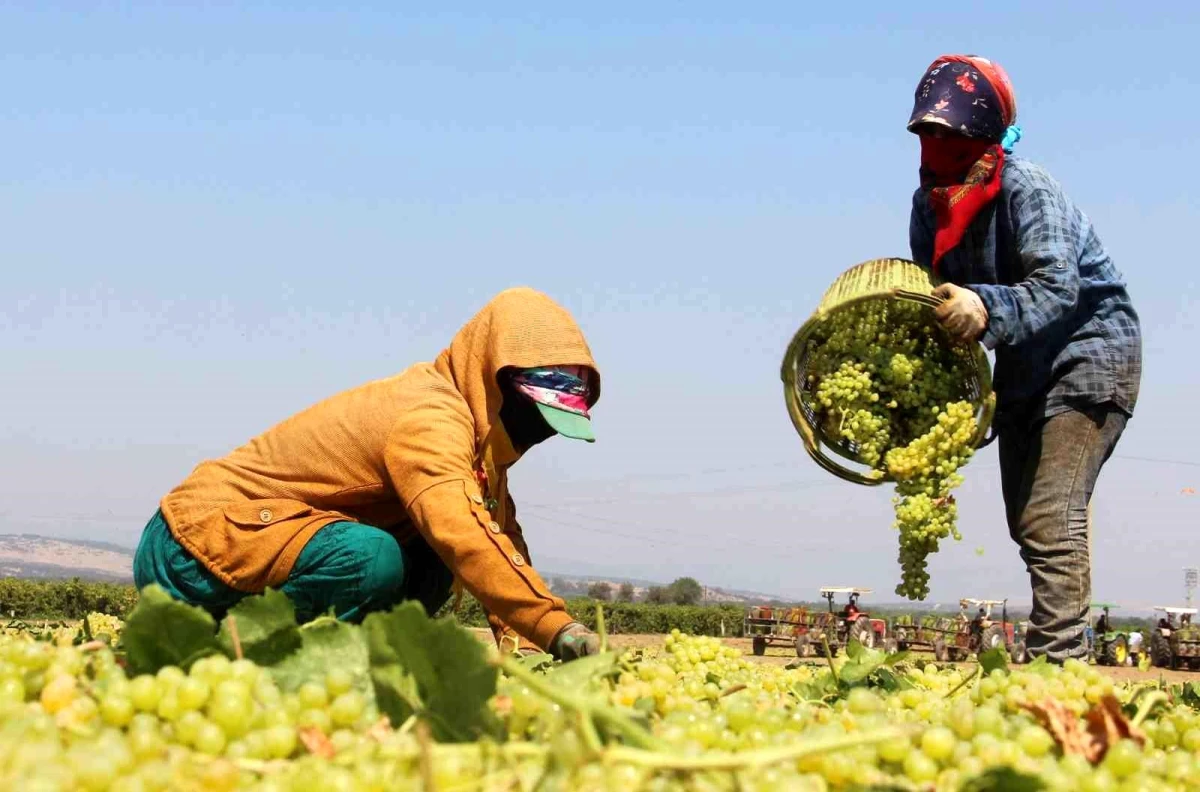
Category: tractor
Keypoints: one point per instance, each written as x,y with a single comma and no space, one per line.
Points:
839,628
1106,646
976,635
1175,641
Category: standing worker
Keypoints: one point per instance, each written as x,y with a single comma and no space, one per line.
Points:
394,489
1025,273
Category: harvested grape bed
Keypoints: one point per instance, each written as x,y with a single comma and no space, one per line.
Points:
169,701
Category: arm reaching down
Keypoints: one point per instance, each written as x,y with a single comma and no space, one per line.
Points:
430,459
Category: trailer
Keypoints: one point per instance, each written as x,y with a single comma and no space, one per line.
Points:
953,638
810,630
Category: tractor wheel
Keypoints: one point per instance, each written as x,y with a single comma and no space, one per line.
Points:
992,638
803,645
863,632
941,652
1017,653
1160,651
758,646
1116,652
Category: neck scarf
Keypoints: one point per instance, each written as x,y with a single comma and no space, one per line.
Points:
962,176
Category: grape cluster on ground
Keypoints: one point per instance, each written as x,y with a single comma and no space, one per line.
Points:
171,701
888,386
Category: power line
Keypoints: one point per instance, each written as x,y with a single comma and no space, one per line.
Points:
1158,460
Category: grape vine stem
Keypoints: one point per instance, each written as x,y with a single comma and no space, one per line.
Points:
234,637
744,759
598,713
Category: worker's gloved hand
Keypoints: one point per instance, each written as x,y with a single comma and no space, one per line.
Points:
962,313
574,641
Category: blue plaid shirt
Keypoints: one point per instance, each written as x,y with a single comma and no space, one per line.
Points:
1059,318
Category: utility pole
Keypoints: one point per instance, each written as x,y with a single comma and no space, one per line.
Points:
1190,576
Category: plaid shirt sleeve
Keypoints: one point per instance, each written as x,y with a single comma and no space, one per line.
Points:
920,235
1047,236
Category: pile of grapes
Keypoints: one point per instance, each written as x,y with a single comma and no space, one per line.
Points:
888,386
408,703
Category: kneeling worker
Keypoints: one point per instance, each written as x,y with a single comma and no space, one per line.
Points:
392,490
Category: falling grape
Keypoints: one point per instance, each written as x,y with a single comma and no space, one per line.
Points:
886,385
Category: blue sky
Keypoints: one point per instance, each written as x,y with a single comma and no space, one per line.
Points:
215,217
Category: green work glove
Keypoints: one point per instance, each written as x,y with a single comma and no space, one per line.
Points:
574,641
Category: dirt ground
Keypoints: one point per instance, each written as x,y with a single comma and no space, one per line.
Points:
780,655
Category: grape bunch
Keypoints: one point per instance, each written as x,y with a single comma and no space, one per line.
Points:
886,385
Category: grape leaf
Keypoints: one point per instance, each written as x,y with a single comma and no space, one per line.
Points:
326,643
582,673
1190,694
433,669
536,662
993,659
1108,725
1040,666
861,664
1003,779
1065,727
162,631
266,628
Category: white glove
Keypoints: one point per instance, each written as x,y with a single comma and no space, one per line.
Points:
962,313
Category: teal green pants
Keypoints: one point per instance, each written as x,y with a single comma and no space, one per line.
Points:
347,568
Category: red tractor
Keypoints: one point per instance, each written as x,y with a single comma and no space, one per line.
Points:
977,634
839,627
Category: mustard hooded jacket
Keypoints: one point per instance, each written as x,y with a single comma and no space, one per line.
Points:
423,452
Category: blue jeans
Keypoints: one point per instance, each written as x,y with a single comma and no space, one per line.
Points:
1048,472
347,568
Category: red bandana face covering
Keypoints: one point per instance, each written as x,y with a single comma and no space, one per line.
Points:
962,175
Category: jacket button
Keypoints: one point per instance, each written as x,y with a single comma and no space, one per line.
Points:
518,559
477,500
494,527
265,515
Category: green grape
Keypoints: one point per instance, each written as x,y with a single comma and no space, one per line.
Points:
192,693
1123,760
280,741
338,681
313,695
144,693
116,710
346,708
210,739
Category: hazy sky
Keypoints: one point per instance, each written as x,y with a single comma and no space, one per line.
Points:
213,218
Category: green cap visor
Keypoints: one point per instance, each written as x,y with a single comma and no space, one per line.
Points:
567,424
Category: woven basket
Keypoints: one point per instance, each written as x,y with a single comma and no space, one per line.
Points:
879,279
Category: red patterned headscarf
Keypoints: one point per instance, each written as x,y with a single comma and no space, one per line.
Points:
973,100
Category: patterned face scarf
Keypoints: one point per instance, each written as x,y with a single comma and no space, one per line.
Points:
972,99
560,395
560,387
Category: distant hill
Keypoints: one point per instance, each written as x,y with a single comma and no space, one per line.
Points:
41,557
577,585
